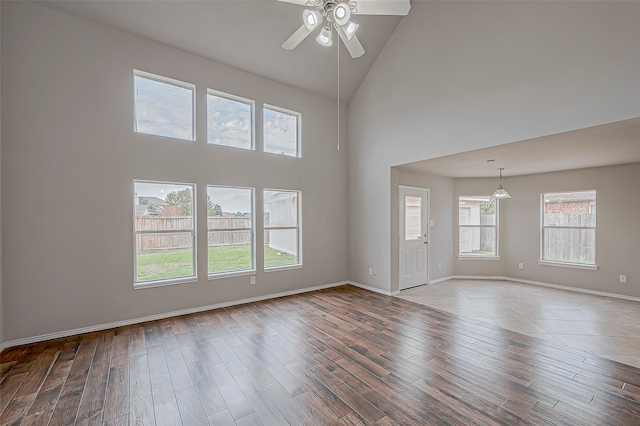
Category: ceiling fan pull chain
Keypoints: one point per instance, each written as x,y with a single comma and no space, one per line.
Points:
338,47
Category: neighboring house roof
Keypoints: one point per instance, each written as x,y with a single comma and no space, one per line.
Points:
142,210
278,196
567,197
154,201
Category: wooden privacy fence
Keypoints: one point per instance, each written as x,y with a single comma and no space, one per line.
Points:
561,242
488,235
222,231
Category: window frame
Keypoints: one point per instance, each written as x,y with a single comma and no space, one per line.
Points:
252,270
194,235
298,228
298,116
567,264
491,200
173,82
252,105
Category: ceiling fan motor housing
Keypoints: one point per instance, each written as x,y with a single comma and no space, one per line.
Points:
338,14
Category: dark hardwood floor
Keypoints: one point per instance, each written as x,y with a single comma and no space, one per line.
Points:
337,356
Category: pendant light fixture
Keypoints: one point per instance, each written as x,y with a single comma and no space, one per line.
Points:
500,192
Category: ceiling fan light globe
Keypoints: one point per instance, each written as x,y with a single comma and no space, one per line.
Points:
324,38
311,19
341,13
350,29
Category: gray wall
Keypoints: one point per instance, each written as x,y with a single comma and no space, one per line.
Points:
1,269
441,211
457,76
617,229
70,155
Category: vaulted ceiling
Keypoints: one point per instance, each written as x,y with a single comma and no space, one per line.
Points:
247,35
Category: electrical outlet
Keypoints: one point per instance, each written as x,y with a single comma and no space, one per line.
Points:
375,272
623,278
370,271
253,280
520,265
439,265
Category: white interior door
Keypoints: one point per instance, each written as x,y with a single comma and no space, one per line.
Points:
414,236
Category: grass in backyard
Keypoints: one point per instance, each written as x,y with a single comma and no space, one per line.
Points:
177,263
160,266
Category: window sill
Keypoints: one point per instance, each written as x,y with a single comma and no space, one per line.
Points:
162,283
283,268
231,274
568,265
478,257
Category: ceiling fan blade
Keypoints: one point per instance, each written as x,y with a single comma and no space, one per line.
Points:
300,2
296,38
353,46
381,7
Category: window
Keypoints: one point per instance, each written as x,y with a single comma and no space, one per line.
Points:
164,231
478,222
569,227
281,228
163,107
229,120
281,130
412,218
230,224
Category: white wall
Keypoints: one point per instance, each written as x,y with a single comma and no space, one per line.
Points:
70,155
457,76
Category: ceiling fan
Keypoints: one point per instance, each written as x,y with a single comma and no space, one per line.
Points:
337,14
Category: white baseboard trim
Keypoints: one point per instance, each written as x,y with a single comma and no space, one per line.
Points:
374,289
155,317
550,285
480,277
578,289
439,280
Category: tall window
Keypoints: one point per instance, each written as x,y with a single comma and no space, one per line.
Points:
164,229
163,106
281,131
229,120
230,223
478,222
412,218
569,227
281,228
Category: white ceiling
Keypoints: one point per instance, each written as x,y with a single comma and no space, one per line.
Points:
247,35
605,145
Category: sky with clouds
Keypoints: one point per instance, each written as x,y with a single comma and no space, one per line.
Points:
166,109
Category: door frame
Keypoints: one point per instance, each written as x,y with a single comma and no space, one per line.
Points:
426,193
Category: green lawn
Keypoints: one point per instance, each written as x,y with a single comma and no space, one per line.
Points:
177,263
